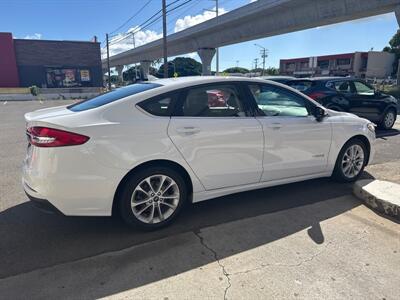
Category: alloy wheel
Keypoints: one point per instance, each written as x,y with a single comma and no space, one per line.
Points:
389,119
353,161
155,199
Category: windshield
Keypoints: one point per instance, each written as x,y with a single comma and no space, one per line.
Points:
113,96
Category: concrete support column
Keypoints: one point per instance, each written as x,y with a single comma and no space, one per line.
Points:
145,69
119,71
397,13
206,55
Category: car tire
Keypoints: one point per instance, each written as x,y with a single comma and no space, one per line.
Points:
388,120
350,165
152,198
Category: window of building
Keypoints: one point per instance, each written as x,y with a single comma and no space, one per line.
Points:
213,101
343,61
290,66
67,77
274,101
304,65
323,64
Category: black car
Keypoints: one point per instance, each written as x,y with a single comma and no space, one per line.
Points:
279,79
350,95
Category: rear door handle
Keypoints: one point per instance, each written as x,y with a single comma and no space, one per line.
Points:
187,130
276,126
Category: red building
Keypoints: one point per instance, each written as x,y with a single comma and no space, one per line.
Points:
49,64
359,64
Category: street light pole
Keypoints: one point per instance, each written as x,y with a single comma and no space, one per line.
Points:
108,63
164,12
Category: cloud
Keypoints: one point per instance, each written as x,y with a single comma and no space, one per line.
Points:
35,36
251,1
124,41
189,21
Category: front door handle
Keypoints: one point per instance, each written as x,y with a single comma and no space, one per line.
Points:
188,130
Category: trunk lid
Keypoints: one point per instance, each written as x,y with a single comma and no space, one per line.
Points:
46,113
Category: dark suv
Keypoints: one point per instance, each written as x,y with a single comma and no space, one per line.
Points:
350,95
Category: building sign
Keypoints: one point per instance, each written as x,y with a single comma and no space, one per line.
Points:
85,75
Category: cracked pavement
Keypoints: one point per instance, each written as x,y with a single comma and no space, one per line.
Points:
275,255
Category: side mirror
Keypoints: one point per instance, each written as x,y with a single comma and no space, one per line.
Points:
319,113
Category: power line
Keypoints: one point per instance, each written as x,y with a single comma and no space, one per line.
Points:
146,25
127,21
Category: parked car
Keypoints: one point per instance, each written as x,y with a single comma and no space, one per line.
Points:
280,79
350,95
145,150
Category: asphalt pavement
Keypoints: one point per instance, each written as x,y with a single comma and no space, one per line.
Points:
32,240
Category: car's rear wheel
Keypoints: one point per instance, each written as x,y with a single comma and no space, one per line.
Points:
152,198
388,120
351,161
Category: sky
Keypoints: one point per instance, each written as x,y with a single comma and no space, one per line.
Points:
83,19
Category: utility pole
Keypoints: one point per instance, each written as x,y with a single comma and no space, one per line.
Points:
108,63
164,12
255,63
264,55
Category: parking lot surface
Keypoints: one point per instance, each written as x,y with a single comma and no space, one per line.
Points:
304,240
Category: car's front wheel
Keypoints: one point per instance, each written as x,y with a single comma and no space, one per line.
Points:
351,161
152,197
388,120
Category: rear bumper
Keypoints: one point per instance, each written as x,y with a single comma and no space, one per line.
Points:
44,205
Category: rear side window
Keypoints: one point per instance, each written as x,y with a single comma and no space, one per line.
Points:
159,106
113,96
300,85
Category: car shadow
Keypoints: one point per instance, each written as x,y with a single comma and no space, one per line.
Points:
32,239
386,133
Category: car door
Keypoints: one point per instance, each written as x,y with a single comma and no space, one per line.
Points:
295,143
365,102
215,133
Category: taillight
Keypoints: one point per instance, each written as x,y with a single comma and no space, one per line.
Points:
50,137
316,95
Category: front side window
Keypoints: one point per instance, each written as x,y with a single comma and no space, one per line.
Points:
274,101
363,89
113,96
213,101
342,86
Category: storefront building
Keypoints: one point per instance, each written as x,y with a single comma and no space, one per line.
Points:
49,64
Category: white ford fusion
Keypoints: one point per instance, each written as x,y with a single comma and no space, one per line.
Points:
146,149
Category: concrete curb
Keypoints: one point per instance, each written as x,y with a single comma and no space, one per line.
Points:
382,196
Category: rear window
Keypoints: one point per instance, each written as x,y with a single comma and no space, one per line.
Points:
113,96
300,85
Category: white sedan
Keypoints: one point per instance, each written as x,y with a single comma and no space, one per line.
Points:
145,150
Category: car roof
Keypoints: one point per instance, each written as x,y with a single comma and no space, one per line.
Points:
332,78
181,82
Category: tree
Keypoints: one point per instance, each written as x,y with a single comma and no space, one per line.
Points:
183,66
129,75
272,71
236,70
394,47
